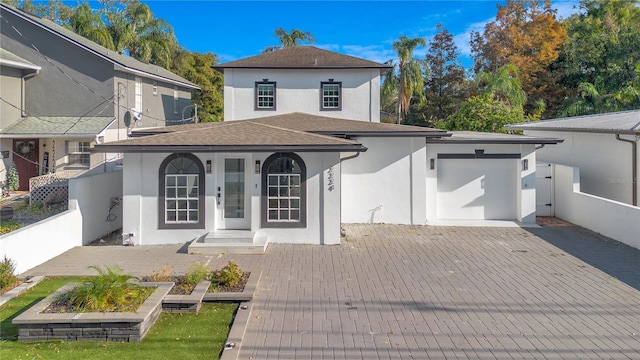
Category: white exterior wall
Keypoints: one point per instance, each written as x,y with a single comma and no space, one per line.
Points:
604,162
385,184
140,200
525,180
614,219
299,91
92,196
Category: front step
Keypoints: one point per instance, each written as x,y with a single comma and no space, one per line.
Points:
229,242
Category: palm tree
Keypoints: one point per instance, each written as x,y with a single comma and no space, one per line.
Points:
83,21
411,72
290,39
503,85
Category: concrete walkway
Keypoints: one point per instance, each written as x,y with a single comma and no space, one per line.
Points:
400,292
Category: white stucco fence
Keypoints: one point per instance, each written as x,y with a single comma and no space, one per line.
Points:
610,218
97,196
32,245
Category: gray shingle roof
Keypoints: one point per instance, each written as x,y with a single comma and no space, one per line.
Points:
302,57
623,122
231,136
473,137
127,62
320,125
11,59
58,126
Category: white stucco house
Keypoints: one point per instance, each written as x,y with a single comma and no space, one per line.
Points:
302,150
603,146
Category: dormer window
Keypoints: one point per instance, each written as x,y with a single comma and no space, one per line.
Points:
265,98
331,95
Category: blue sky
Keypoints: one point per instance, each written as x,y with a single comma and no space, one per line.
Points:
367,29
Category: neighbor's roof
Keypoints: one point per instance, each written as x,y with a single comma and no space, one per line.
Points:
232,136
473,137
302,57
58,126
8,58
320,125
126,63
623,122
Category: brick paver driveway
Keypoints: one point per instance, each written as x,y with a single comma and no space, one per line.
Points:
400,292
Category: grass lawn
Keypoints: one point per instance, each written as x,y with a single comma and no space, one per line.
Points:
184,336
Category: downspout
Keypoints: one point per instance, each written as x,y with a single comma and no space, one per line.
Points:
634,168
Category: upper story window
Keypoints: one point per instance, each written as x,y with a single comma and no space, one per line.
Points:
138,94
265,98
155,88
78,153
331,93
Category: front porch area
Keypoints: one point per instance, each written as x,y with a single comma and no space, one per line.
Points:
244,242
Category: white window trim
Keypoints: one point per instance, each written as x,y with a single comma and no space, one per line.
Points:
339,96
80,146
257,106
138,94
187,199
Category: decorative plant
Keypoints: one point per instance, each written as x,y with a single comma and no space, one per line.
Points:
7,273
164,274
228,275
13,178
9,225
196,273
110,291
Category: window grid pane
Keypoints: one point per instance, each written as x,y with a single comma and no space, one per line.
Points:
283,200
181,198
265,96
78,152
331,96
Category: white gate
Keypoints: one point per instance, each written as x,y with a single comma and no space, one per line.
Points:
544,190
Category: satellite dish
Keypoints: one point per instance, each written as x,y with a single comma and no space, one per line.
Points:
127,119
136,113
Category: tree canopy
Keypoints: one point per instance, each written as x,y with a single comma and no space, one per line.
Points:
289,39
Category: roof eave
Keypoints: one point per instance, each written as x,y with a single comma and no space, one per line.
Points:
120,67
226,148
582,130
430,134
221,68
537,141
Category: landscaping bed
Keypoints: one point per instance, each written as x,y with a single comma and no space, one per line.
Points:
172,336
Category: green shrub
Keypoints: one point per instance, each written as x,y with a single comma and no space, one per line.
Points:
13,178
7,273
9,225
228,275
110,291
35,207
196,273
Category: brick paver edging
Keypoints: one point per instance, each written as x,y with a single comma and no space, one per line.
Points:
26,285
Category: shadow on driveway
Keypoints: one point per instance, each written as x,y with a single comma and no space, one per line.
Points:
612,257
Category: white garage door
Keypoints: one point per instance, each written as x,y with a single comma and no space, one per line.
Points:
477,189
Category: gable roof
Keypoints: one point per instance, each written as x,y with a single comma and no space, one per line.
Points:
623,122
121,62
7,58
58,126
233,136
302,57
317,125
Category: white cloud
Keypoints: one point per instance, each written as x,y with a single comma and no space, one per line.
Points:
462,40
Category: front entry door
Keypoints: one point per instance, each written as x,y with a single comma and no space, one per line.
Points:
233,193
26,155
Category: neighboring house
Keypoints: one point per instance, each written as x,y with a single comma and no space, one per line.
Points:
294,177
603,146
62,94
302,79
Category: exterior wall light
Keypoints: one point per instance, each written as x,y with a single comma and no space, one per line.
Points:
208,167
257,169
525,164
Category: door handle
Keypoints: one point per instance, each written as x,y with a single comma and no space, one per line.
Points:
218,197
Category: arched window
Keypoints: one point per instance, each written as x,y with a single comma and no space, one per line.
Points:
181,193
284,191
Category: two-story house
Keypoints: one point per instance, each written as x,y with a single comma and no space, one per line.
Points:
302,150
62,94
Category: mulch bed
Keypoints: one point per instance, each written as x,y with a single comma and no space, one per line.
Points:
182,288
